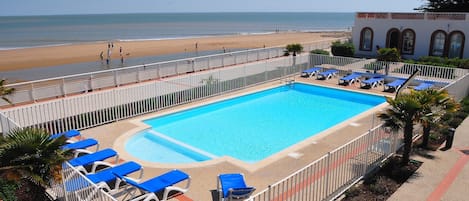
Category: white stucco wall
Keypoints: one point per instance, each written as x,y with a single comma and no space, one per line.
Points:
423,31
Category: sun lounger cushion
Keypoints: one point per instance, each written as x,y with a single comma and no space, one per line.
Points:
234,186
372,82
396,84
67,134
103,177
350,78
159,183
327,74
82,144
89,159
108,174
310,72
423,86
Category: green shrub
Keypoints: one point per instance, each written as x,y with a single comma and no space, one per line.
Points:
389,54
8,189
352,192
446,116
345,49
379,188
460,115
319,51
455,122
441,61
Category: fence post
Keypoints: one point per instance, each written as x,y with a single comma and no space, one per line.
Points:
116,79
64,91
244,75
328,173
223,60
157,70
32,93
269,192
90,84
365,164
247,56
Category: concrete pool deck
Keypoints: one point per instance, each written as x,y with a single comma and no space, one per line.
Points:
261,174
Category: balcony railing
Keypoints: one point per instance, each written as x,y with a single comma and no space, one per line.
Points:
413,16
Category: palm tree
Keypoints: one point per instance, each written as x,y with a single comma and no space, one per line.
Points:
30,154
434,105
403,112
388,55
295,48
5,91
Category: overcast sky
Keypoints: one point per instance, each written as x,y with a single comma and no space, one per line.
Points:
54,7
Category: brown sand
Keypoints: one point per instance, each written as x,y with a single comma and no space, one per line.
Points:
59,55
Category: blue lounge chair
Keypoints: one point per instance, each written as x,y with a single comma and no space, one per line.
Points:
349,79
91,157
372,82
233,186
68,134
311,72
163,183
327,74
82,144
105,179
394,85
423,86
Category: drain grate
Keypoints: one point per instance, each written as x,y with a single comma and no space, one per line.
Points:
465,151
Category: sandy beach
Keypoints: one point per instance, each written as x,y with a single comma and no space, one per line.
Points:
17,59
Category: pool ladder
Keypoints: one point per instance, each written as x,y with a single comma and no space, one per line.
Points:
290,81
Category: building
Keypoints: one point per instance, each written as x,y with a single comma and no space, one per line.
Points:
414,34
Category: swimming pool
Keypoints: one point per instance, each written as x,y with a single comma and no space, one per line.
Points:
249,128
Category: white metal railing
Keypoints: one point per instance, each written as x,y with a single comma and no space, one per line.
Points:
329,176
75,186
100,107
6,124
104,106
413,16
459,89
439,75
32,91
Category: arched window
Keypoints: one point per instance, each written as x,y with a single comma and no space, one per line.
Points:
366,39
392,38
437,45
456,44
408,41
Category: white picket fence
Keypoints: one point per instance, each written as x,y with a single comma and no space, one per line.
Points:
329,176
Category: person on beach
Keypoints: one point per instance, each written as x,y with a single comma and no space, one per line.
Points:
109,52
101,55
120,51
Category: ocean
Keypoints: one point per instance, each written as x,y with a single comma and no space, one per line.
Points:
31,31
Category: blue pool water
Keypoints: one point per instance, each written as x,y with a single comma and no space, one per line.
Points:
249,128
